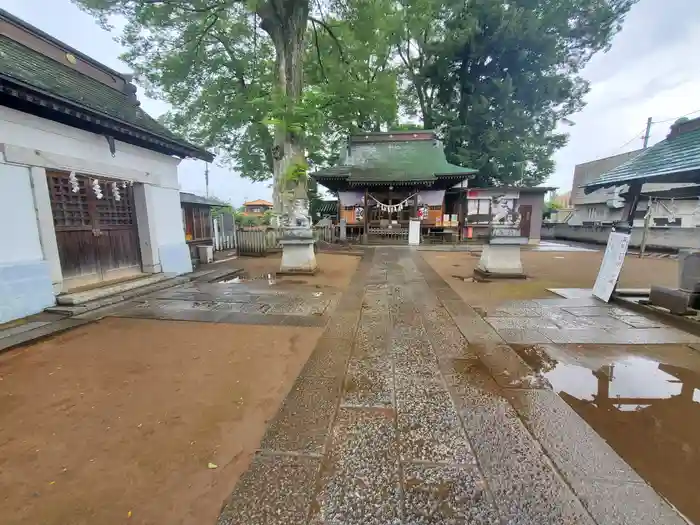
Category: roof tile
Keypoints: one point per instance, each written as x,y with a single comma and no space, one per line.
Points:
46,74
677,154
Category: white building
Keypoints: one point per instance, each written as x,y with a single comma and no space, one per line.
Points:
88,181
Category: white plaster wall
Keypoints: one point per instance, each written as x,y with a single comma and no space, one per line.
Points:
29,141
20,233
25,280
168,215
35,141
165,210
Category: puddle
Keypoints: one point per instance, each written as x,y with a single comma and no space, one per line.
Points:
644,401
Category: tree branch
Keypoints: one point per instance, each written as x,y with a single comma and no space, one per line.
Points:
332,35
318,51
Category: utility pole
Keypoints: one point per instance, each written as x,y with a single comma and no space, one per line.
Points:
206,179
645,232
646,134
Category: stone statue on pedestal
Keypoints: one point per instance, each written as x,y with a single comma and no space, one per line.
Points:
297,236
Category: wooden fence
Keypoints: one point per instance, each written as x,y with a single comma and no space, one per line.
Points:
259,241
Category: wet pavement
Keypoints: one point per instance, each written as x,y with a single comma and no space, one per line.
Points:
238,302
415,409
551,246
642,399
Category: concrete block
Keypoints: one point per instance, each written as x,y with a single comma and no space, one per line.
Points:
688,269
175,258
676,301
298,256
500,261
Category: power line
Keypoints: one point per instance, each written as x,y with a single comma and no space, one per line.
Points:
676,118
636,137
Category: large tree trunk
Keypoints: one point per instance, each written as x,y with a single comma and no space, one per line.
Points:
285,21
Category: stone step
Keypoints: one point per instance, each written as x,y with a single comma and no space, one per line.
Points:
72,299
207,275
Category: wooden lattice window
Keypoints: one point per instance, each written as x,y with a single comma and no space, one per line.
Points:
113,212
69,209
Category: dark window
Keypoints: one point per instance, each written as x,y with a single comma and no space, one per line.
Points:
663,221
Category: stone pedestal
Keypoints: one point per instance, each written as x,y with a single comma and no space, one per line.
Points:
343,230
688,270
298,255
500,259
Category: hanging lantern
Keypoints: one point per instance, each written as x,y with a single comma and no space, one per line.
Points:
75,186
96,188
115,192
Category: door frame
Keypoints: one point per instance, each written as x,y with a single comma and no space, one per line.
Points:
525,219
91,223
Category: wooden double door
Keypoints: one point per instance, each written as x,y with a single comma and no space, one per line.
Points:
97,236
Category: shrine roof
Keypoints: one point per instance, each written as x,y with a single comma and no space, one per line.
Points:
387,158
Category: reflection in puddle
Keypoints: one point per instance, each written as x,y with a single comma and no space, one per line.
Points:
644,401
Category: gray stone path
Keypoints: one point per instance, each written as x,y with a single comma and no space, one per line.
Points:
413,410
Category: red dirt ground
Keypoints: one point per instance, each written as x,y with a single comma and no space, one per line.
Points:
546,270
116,422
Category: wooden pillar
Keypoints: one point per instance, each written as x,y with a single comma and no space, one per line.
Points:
631,205
365,215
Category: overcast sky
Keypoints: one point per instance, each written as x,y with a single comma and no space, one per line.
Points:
652,70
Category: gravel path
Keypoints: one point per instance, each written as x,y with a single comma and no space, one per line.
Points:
397,419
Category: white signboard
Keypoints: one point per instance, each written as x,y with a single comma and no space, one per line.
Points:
414,232
611,266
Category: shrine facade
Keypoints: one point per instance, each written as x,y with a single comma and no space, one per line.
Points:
383,180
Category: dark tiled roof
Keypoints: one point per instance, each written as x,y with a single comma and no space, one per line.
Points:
34,70
328,208
396,161
669,159
191,198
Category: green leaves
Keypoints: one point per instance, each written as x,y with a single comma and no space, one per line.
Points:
492,77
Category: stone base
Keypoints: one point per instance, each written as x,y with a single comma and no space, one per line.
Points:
500,261
675,301
298,257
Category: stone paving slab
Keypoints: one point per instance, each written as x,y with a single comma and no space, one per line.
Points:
303,421
630,336
329,359
359,481
520,323
588,311
413,354
577,450
276,490
406,410
15,330
369,383
508,368
522,336
40,332
615,503
639,321
526,488
342,326
429,427
608,487
438,494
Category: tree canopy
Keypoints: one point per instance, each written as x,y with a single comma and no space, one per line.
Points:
274,86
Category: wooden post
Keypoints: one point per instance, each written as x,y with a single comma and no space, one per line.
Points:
414,208
631,205
365,215
647,223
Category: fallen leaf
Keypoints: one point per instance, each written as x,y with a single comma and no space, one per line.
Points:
212,465
128,514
